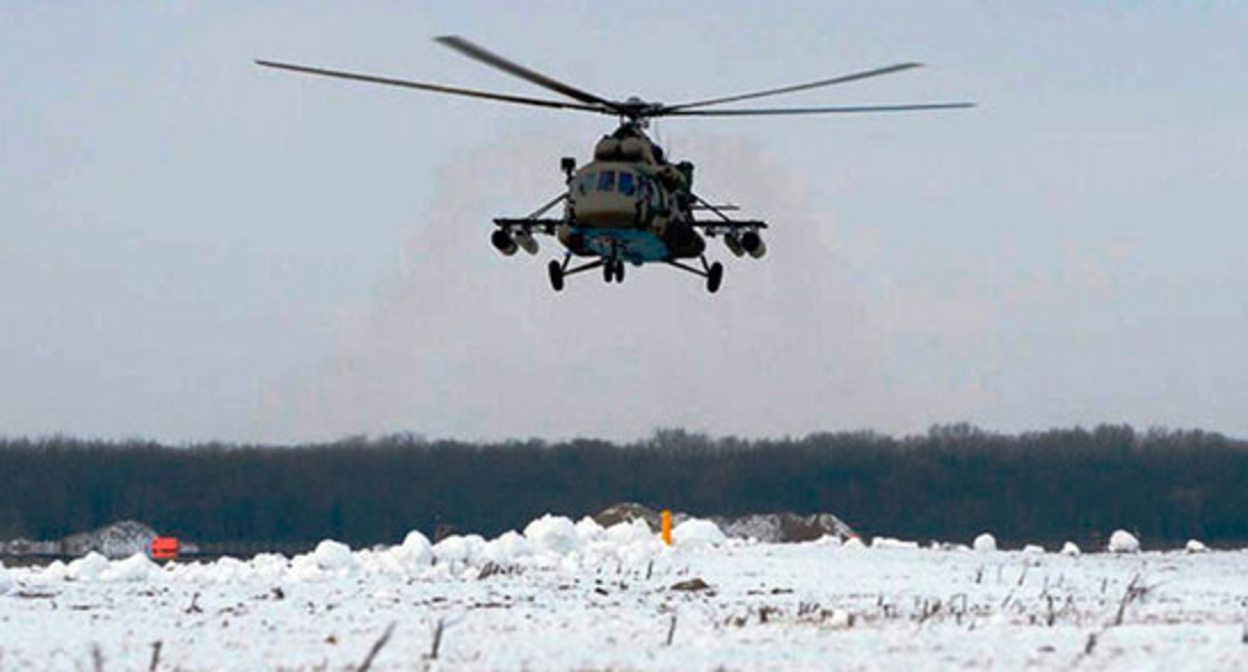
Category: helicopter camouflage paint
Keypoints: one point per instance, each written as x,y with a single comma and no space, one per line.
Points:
629,204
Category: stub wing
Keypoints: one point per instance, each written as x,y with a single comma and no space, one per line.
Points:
721,226
724,225
528,224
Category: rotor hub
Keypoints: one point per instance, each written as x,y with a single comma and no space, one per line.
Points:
639,110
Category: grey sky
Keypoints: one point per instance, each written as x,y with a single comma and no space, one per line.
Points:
194,248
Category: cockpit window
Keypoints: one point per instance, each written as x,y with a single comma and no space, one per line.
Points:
586,183
627,186
606,180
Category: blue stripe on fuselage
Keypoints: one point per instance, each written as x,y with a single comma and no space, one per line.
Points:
630,245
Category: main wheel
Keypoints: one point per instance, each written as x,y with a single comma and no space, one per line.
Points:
608,270
555,270
714,276
619,270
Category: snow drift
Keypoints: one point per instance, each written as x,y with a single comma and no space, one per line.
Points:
1122,541
985,543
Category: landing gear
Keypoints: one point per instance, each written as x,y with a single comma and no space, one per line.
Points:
714,276
559,271
613,270
555,270
714,273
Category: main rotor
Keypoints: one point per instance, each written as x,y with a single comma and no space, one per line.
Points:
632,109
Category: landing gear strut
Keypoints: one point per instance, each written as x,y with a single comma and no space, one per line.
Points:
613,270
714,273
559,271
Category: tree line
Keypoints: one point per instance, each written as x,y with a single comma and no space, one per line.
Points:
949,484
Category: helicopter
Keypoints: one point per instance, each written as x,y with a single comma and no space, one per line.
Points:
631,203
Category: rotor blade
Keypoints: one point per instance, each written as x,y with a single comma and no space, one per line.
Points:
479,54
819,110
799,87
433,87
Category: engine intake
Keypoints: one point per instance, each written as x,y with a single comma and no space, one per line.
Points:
503,242
753,243
683,240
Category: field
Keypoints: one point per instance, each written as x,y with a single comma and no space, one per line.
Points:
576,597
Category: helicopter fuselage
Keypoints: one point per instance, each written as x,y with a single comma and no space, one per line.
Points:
629,204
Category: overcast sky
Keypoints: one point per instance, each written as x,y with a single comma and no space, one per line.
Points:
194,248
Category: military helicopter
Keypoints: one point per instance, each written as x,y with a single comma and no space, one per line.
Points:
630,204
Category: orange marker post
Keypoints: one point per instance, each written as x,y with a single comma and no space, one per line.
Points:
164,548
667,527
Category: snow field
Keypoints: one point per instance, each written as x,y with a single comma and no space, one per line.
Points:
6,580
567,596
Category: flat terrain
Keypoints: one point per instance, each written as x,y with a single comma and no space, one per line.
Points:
572,598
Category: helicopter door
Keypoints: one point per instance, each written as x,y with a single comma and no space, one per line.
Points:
643,201
628,186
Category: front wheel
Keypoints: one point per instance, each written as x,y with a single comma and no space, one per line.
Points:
555,270
714,277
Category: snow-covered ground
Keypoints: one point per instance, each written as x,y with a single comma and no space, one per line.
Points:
564,596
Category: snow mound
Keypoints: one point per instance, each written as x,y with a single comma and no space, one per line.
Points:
88,568
1122,541
333,556
629,532
1196,546
55,572
265,565
415,551
1033,549
854,542
135,569
1071,549
696,533
456,549
985,543
508,548
889,542
589,529
6,580
553,533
